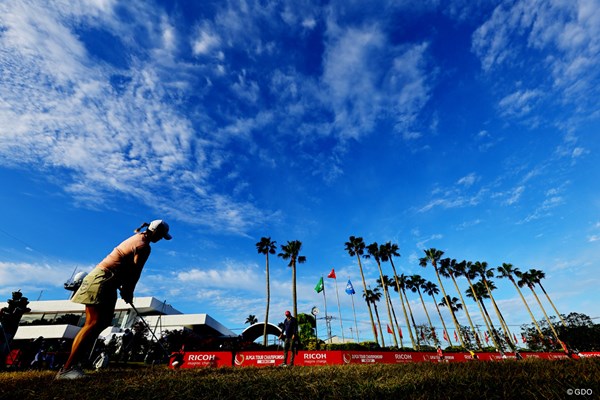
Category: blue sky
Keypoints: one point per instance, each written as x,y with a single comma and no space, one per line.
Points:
468,126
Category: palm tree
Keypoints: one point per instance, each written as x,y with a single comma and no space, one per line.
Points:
537,276
355,246
448,269
462,269
527,278
506,271
467,270
484,273
266,246
291,251
389,283
405,283
433,256
373,251
372,297
390,250
453,306
478,292
417,284
431,289
251,319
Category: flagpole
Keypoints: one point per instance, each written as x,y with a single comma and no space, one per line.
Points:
337,293
327,322
353,310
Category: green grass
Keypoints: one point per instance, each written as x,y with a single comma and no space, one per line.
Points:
529,379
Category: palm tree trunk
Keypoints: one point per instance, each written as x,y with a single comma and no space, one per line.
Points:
456,325
387,303
441,319
294,299
265,342
545,315
428,319
507,336
466,309
396,321
412,318
412,339
365,287
526,306
477,300
492,330
379,323
553,306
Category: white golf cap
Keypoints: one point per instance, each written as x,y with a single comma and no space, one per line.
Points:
159,223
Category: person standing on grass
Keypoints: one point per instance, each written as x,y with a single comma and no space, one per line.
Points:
440,354
290,332
120,270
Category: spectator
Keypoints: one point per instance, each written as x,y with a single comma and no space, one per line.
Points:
290,333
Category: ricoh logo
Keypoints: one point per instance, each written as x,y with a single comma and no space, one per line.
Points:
315,356
403,356
202,357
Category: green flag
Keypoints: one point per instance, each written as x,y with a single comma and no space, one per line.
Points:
319,287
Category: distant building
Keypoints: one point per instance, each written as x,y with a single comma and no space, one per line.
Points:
338,340
62,319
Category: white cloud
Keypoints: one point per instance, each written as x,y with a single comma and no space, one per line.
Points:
578,152
520,103
593,238
15,275
565,35
361,93
169,35
468,180
309,23
514,195
422,243
205,42
544,209
468,224
60,110
231,276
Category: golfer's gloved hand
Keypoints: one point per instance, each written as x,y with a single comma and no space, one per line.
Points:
127,296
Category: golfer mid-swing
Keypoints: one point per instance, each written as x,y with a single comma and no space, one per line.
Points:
121,269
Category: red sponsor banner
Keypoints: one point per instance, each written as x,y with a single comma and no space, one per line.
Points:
338,357
258,358
380,357
359,357
315,358
547,356
204,359
488,356
584,354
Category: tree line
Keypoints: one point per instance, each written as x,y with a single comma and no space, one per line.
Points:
478,275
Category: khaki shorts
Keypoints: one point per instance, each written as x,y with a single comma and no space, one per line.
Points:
98,287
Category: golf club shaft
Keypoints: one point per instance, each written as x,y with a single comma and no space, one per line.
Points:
150,329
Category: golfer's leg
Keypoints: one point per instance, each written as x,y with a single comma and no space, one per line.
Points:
82,338
95,321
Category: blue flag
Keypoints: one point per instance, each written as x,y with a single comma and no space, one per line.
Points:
350,288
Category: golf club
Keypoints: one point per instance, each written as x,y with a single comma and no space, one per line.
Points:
150,329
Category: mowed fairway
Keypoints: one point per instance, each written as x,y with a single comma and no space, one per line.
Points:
535,379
